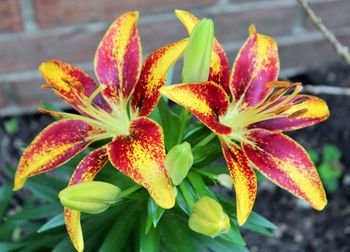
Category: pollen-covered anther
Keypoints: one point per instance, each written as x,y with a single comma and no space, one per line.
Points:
276,95
301,100
50,112
298,113
278,84
282,109
45,85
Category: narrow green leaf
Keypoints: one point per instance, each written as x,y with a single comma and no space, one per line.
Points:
150,241
36,212
154,213
10,246
56,221
257,219
234,235
170,121
176,234
199,185
5,198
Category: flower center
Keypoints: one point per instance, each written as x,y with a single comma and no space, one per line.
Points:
113,120
240,116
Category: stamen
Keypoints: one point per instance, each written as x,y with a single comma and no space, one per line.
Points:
298,113
45,85
50,112
276,95
278,84
301,100
282,109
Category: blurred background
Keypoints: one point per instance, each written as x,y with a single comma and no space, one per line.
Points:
33,31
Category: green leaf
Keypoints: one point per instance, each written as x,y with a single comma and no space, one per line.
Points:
257,219
199,185
170,122
154,213
257,229
207,154
36,212
313,155
150,241
203,243
118,234
10,246
5,198
45,187
196,133
234,235
331,153
54,222
175,234
11,126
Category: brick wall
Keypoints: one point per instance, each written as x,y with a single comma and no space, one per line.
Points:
32,31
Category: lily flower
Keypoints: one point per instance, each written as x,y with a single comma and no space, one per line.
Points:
116,109
248,111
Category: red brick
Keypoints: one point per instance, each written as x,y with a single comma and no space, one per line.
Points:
273,21
10,16
333,13
312,53
29,93
75,46
3,97
63,12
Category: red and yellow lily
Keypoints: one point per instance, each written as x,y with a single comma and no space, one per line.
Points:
115,109
248,111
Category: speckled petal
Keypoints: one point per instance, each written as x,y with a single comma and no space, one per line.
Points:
256,64
244,180
71,84
206,100
153,77
86,171
317,111
140,156
118,57
55,145
220,66
287,164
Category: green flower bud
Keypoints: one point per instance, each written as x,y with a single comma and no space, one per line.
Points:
197,56
225,180
178,161
208,218
90,197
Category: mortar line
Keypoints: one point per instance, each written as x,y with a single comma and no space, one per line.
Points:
28,18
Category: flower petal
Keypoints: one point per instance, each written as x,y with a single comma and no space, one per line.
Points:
140,156
317,111
206,100
244,180
86,171
118,57
55,145
256,64
71,84
287,164
220,66
154,75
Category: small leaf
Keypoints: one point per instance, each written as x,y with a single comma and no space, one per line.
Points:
234,235
257,219
331,153
154,213
11,126
54,222
170,121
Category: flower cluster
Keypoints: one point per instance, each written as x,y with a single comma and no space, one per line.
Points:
248,109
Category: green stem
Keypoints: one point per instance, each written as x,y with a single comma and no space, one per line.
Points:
186,195
206,140
184,117
204,173
129,191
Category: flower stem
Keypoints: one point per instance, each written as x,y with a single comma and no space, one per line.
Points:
206,140
186,195
129,190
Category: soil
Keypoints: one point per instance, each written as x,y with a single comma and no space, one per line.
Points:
300,228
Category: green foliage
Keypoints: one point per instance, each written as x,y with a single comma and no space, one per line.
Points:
329,166
11,126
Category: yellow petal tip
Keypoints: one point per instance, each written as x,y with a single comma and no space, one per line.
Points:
252,29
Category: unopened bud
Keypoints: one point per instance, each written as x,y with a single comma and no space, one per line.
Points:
178,162
225,180
197,56
208,218
89,197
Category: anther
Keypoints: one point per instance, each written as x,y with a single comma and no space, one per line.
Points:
301,100
278,84
282,109
298,113
45,85
276,95
50,112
